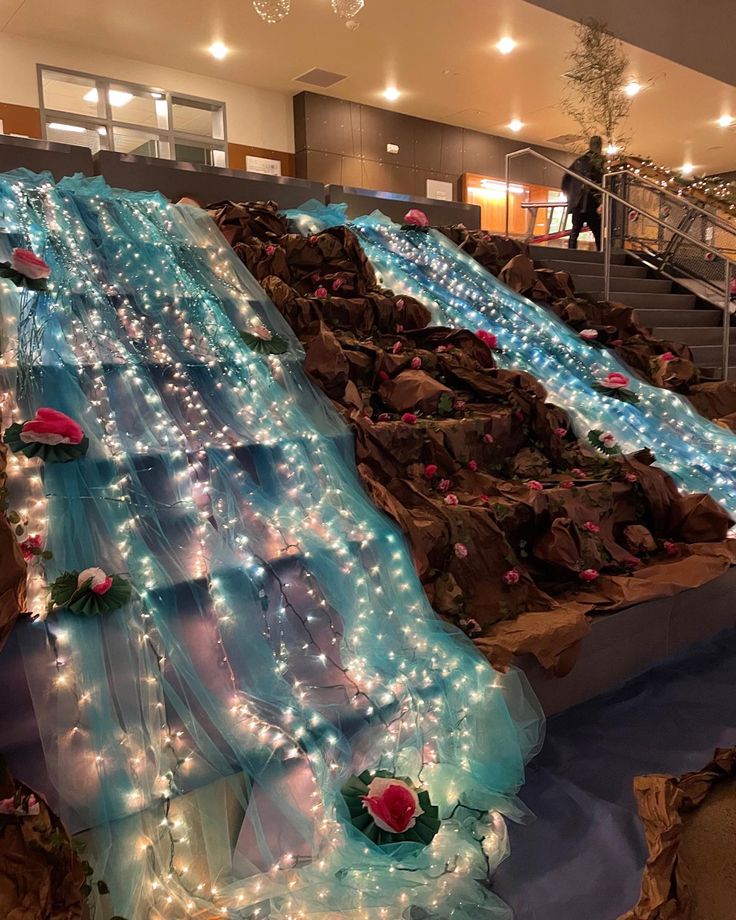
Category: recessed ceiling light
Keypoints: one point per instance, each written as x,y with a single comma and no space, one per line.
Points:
73,129
117,97
632,88
612,150
725,121
391,93
687,168
506,45
515,124
218,50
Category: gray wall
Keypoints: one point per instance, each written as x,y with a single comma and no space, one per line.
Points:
344,143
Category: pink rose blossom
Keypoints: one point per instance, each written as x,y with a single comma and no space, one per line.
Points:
512,577
630,477
614,381
29,264
589,334
29,545
567,484
382,375
484,498
396,347
416,363
472,465
416,218
591,527
384,417
451,499
459,404
632,562
667,357
337,284
399,328
51,427
315,276
488,438
461,550
270,249
409,418
559,432
9,806
443,485
313,239
393,804
535,486
430,470
488,338
578,473
670,548
321,291
588,575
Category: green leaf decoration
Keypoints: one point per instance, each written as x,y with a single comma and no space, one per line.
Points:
276,345
445,404
65,595
20,280
595,436
49,453
622,393
424,829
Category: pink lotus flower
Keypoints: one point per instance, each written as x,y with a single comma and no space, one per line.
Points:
443,485
461,550
430,470
631,477
396,348
591,527
512,577
567,484
614,381
416,218
670,548
29,545
321,291
608,440
400,303
409,418
559,432
667,357
28,264
578,473
337,284
588,575
416,363
270,249
488,338
472,465
535,486
488,438
261,331
51,427
393,804
100,583
589,334
451,499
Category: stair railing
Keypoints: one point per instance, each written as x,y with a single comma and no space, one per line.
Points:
608,198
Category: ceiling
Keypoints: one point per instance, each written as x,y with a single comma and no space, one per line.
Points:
439,53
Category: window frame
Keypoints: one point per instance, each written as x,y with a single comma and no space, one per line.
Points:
168,135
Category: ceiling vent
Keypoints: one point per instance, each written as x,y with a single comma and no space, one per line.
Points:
564,140
318,77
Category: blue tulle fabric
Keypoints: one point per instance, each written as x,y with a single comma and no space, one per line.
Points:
278,640
699,454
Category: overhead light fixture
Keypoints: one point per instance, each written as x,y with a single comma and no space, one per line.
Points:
102,131
632,88
687,168
506,45
515,125
218,50
117,97
612,150
391,93
496,185
725,121
72,129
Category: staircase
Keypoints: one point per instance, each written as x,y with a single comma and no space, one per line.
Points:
671,312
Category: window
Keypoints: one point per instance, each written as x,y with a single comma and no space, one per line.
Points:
104,114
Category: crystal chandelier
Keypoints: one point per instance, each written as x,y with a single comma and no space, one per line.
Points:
276,10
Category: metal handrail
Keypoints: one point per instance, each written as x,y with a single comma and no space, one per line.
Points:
607,196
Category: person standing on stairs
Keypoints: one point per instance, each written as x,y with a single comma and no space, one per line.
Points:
583,202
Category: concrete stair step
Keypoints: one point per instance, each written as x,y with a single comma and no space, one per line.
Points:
594,283
618,257
653,301
667,318
592,268
691,335
710,355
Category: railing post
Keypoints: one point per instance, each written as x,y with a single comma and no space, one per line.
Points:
508,183
727,321
606,240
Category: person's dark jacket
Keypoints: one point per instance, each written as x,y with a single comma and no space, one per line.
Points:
581,197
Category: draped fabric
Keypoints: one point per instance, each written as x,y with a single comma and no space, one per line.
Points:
277,640
701,456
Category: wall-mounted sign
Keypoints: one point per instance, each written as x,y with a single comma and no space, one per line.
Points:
392,148
263,165
441,190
